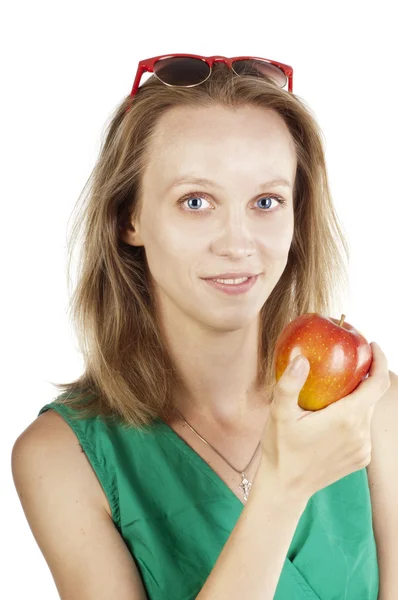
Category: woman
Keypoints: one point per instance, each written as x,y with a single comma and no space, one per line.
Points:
175,466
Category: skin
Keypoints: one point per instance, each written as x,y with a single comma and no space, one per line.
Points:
230,226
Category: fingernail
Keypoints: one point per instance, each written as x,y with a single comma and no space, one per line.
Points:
298,366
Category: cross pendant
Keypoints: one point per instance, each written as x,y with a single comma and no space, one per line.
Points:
245,485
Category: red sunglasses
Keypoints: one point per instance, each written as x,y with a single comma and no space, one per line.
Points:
189,70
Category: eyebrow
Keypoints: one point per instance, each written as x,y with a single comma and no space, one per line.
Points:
279,181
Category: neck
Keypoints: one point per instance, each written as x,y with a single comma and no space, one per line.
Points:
219,374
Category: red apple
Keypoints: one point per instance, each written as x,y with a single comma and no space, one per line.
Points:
339,357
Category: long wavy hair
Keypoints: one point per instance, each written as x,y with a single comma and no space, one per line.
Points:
129,373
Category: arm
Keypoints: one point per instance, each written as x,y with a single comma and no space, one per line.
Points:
251,561
383,486
62,501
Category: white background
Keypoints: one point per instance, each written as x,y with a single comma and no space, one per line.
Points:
65,67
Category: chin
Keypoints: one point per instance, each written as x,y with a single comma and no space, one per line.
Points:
230,322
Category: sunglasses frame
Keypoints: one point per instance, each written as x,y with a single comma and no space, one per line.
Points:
147,65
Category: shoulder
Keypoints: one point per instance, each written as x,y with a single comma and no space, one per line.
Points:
63,504
383,483
48,432
387,406
49,448
384,421
384,424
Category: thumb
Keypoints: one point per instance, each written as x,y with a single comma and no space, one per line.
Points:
291,381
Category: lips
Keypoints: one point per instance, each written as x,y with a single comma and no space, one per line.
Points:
231,275
233,288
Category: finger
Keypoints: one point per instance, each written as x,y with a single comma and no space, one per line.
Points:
379,378
287,388
371,389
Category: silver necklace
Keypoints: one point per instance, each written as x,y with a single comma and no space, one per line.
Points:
245,484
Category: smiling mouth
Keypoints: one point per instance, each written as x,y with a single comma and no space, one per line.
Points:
233,287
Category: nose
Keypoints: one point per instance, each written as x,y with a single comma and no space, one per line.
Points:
235,240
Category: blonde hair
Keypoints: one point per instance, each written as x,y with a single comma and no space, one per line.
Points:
128,370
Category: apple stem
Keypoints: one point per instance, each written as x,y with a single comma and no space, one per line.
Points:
341,320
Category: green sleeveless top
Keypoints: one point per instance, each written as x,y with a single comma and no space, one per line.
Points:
175,514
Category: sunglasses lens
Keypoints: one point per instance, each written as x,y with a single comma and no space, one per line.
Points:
260,68
181,70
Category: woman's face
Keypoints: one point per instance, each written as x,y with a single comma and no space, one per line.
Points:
231,223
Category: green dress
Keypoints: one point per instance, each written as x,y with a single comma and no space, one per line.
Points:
175,514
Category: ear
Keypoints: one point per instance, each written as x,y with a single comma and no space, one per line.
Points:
131,235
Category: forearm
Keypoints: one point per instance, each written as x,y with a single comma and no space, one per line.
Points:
251,561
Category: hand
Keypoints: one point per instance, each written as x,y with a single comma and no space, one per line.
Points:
309,450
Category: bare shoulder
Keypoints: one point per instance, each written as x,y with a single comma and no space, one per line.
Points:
63,503
383,485
50,435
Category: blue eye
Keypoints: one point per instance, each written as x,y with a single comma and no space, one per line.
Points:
195,199
199,196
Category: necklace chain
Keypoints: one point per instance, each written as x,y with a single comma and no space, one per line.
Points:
245,484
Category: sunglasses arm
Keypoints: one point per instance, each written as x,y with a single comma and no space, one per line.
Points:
140,71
